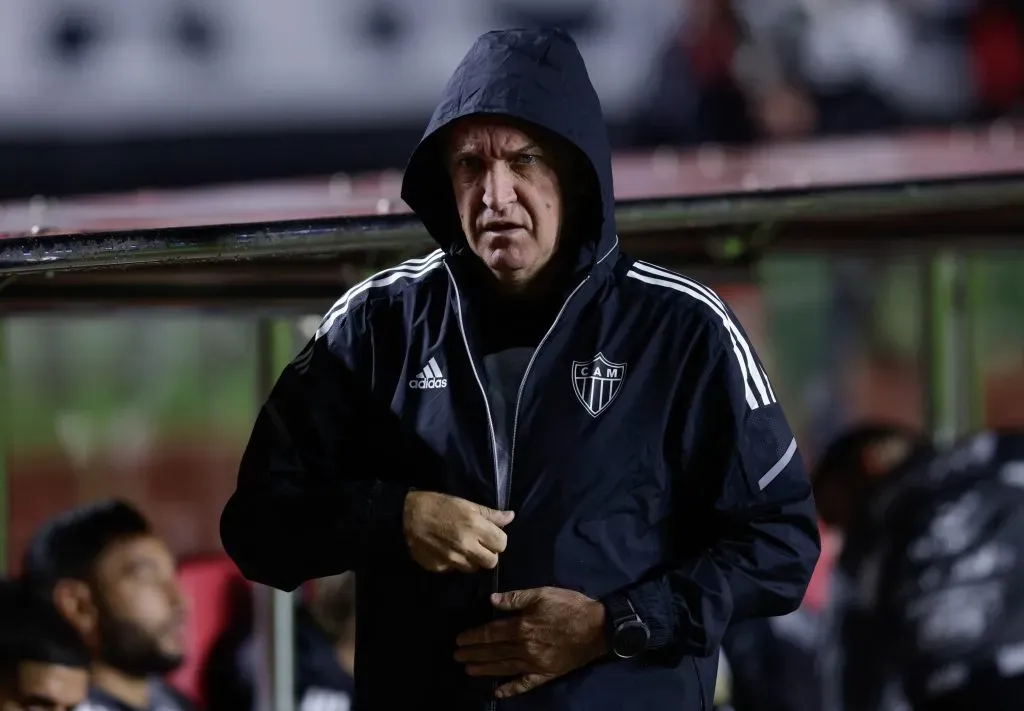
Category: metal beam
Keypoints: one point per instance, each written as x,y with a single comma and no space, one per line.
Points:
755,216
5,441
274,609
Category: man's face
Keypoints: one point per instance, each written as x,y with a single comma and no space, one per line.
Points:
842,495
509,198
39,686
140,608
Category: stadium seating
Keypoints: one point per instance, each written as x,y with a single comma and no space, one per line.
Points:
217,595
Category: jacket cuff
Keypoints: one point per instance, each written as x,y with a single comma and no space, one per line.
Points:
616,606
652,601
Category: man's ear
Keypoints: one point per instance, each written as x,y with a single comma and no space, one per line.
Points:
74,600
880,458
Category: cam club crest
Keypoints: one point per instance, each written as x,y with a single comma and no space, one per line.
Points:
597,382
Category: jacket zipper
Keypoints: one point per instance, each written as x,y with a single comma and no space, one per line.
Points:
529,365
700,682
493,704
515,422
480,384
522,387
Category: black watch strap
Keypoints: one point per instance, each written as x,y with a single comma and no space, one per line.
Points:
618,609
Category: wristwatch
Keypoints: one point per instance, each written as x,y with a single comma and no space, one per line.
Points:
627,634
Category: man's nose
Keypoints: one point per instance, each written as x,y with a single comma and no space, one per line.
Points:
499,187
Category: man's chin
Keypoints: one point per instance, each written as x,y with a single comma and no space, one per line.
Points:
510,279
142,665
177,654
504,261
169,661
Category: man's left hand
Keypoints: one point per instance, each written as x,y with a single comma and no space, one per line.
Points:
554,632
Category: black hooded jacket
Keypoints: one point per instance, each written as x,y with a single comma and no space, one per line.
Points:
929,593
649,460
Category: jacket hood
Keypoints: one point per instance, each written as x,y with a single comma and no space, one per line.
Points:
535,76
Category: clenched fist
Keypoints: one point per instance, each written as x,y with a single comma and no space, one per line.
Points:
446,533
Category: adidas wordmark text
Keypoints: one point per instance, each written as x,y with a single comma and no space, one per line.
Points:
430,378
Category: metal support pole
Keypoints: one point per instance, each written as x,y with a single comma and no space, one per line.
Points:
975,307
5,441
274,609
848,304
946,348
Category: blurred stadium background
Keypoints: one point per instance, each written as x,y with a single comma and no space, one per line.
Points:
108,96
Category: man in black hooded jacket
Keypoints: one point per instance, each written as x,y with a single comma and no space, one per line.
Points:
925,608
558,472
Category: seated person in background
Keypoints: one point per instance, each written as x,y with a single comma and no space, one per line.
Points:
44,664
116,582
327,651
928,594
772,662
324,654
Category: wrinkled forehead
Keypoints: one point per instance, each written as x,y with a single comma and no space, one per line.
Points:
492,135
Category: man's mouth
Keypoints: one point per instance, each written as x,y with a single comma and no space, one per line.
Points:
500,227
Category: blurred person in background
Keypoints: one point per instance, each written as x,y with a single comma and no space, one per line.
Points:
115,580
838,67
324,654
860,466
694,97
997,48
327,650
558,473
772,663
229,672
44,664
928,600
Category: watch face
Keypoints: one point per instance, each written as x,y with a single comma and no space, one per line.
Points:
631,639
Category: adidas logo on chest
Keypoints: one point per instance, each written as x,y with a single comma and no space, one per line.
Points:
430,378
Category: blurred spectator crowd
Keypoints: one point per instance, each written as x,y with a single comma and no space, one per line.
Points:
102,96
743,70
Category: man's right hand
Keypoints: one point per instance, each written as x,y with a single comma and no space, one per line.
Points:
446,533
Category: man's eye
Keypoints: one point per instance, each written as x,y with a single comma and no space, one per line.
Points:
468,162
526,159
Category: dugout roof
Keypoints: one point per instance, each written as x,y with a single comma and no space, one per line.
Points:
282,243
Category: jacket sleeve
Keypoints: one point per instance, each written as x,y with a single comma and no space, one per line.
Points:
751,512
316,494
